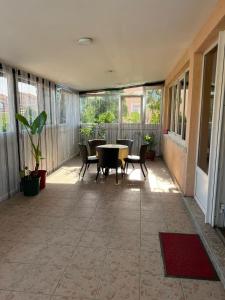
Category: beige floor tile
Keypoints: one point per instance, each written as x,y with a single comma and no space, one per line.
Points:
88,258
125,226
121,286
65,237
122,261
24,253
79,283
11,275
88,241
160,288
40,279
125,241
55,255
199,289
151,263
95,239
150,242
153,227
22,296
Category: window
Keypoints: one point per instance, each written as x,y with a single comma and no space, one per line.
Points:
100,108
4,104
178,94
208,98
153,105
62,109
28,104
131,109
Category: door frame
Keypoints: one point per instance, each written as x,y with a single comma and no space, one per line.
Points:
210,179
216,130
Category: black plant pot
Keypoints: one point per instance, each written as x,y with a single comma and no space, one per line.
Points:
30,185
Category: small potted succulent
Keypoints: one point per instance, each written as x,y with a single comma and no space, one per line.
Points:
32,181
150,140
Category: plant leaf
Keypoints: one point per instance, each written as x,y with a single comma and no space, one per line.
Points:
39,123
22,120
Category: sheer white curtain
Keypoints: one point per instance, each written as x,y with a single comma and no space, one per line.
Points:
59,141
9,170
68,119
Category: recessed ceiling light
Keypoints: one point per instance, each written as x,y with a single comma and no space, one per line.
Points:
85,41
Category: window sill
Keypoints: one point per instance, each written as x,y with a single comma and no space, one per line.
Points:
177,140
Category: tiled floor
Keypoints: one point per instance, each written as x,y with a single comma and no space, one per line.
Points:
83,240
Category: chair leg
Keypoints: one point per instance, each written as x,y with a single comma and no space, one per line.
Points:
98,171
145,168
116,175
84,170
127,166
142,170
81,169
88,166
132,165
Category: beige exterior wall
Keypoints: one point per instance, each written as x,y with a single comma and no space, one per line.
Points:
181,160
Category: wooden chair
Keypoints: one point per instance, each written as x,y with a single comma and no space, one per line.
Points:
108,159
86,160
138,159
94,143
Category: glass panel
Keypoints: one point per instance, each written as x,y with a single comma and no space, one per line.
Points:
175,95
131,109
100,108
4,105
185,105
180,106
153,105
208,96
28,99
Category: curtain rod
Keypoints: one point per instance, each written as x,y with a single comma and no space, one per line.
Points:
156,83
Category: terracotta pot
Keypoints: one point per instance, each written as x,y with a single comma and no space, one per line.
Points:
151,155
42,174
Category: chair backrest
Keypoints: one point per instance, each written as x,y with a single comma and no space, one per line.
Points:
94,143
83,153
108,158
126,142
143,151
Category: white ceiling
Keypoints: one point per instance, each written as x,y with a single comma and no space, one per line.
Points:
140,40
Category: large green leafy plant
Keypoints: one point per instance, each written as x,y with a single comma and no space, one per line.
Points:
34,129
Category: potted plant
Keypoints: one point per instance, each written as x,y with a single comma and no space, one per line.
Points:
33,180
150,140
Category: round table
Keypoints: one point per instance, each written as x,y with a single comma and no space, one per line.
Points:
123,150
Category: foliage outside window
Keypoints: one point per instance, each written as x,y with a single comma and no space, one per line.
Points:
62,98
99,108
131,109
4,105
28,103
153,105
178,105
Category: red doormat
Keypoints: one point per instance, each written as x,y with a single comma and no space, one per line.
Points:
185,256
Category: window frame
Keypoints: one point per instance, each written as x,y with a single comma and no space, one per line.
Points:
141,108
175,94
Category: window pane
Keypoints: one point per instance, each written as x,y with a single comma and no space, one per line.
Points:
4,105
100,108
153,106
28,99
185,105
175,112
208,96
131,109
180,105
62,111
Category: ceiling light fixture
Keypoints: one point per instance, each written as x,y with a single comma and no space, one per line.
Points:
85,41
